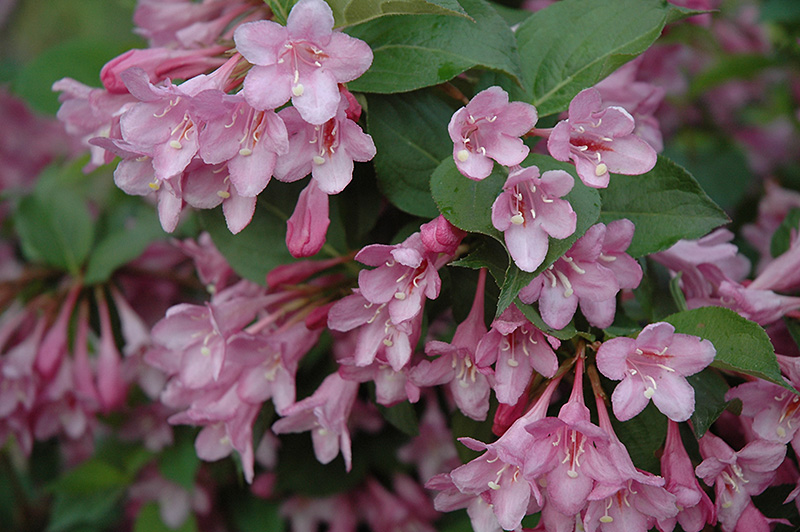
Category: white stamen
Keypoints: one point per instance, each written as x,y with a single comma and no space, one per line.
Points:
244,152
318,159
175,144
600,169
400,295
223,194
462,155
518,219
298,89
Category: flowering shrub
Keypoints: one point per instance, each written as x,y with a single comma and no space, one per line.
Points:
422,265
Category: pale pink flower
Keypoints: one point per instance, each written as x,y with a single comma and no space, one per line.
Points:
325,413
326,151
654,365
516,348
529,210
599,139
489,128
304,61
307,227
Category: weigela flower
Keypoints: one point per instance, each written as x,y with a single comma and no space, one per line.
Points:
488,128
599,140
529,209
326,151
737,475
304,61
516,347
456,364
307,227
654,365
591,273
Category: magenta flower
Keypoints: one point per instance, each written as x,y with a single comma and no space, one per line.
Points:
304,61
599,140
488,128
529,209
654,365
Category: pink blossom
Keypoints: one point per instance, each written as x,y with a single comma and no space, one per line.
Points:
307,227
654,365
517,348
488,128
529,210
325,413
696,509
406,274
590,273
737,476
456,364
440,236
599,140
325,150
304,61
248,140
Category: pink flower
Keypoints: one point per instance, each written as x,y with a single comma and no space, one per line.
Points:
529,209
326,151
488,128
654,365
456,364
307,227
696,509
584,275
325,414
599,140
737,476
304,61
517,348
440,236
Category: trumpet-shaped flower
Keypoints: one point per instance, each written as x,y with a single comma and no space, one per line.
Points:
304,61
654,365
489,128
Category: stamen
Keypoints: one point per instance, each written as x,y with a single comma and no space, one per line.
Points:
518,219
244,152
462,155
318,160
600,169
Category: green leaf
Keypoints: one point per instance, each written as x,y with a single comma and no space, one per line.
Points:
465,203
251,514
55,228
410,134
281,9
643,436
245,251
349,12
179,462
718,165
99,508
131,227
415,51
79,58
533,315
149,520
574,44
709,399
402,416
783,234
91,476
666,204
741,344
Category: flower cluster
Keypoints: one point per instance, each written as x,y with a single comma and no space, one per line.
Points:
567,340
